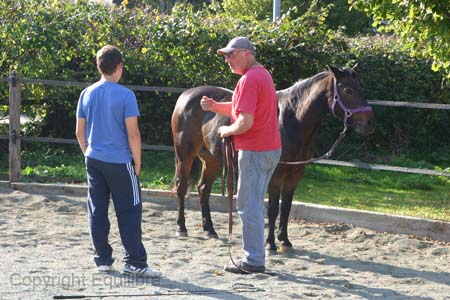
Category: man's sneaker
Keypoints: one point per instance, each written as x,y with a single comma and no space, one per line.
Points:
243,268
104,268
141,272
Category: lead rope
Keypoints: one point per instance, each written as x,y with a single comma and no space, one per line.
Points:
326,155
230,171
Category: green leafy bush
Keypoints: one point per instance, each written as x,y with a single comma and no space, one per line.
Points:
58,40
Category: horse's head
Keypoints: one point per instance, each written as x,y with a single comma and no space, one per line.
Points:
348,102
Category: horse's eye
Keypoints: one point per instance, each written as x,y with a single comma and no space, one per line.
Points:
348,91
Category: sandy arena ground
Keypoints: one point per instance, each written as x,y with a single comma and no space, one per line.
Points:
46,252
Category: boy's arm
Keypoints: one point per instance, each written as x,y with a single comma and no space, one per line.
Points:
80,132
134,138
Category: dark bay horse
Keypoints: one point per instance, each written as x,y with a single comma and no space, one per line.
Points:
302,108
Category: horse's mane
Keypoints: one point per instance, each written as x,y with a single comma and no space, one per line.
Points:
301,87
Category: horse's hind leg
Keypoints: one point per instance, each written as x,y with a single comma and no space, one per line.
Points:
209,174
183,169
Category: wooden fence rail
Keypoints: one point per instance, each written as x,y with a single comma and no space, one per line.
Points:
15,138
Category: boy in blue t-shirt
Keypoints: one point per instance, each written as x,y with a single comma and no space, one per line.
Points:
109,137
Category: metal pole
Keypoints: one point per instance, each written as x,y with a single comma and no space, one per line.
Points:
14,127
276,9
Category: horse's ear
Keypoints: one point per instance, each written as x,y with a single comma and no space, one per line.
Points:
355,67
334,70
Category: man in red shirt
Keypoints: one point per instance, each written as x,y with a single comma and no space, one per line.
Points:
254,127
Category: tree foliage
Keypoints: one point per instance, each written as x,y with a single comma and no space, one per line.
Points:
338,14
161,5
423,26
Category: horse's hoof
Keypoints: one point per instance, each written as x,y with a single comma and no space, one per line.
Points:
271,249
182,234
270,252
285,249
212,235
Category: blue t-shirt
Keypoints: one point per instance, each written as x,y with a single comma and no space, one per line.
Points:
105,106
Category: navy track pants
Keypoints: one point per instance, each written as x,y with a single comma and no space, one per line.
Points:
119,182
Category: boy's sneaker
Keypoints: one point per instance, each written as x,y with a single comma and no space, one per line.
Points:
104,268
141,272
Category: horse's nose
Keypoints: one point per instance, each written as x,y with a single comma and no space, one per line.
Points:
365,127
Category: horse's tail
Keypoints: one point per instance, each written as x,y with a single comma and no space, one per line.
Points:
193,178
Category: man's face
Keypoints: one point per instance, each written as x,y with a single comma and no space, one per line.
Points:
238,60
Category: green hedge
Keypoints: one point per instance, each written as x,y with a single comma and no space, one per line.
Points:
57,40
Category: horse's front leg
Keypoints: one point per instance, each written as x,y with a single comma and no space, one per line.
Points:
287,193
286,204
272,214
209,174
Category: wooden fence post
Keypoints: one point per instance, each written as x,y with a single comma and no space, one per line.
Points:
14,127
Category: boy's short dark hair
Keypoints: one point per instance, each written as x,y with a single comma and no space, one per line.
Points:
108,58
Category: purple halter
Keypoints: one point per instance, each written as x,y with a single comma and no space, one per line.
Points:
347,112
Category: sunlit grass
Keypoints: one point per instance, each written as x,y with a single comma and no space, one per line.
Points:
381,191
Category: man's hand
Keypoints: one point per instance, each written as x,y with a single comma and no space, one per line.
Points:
224,131
207,103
